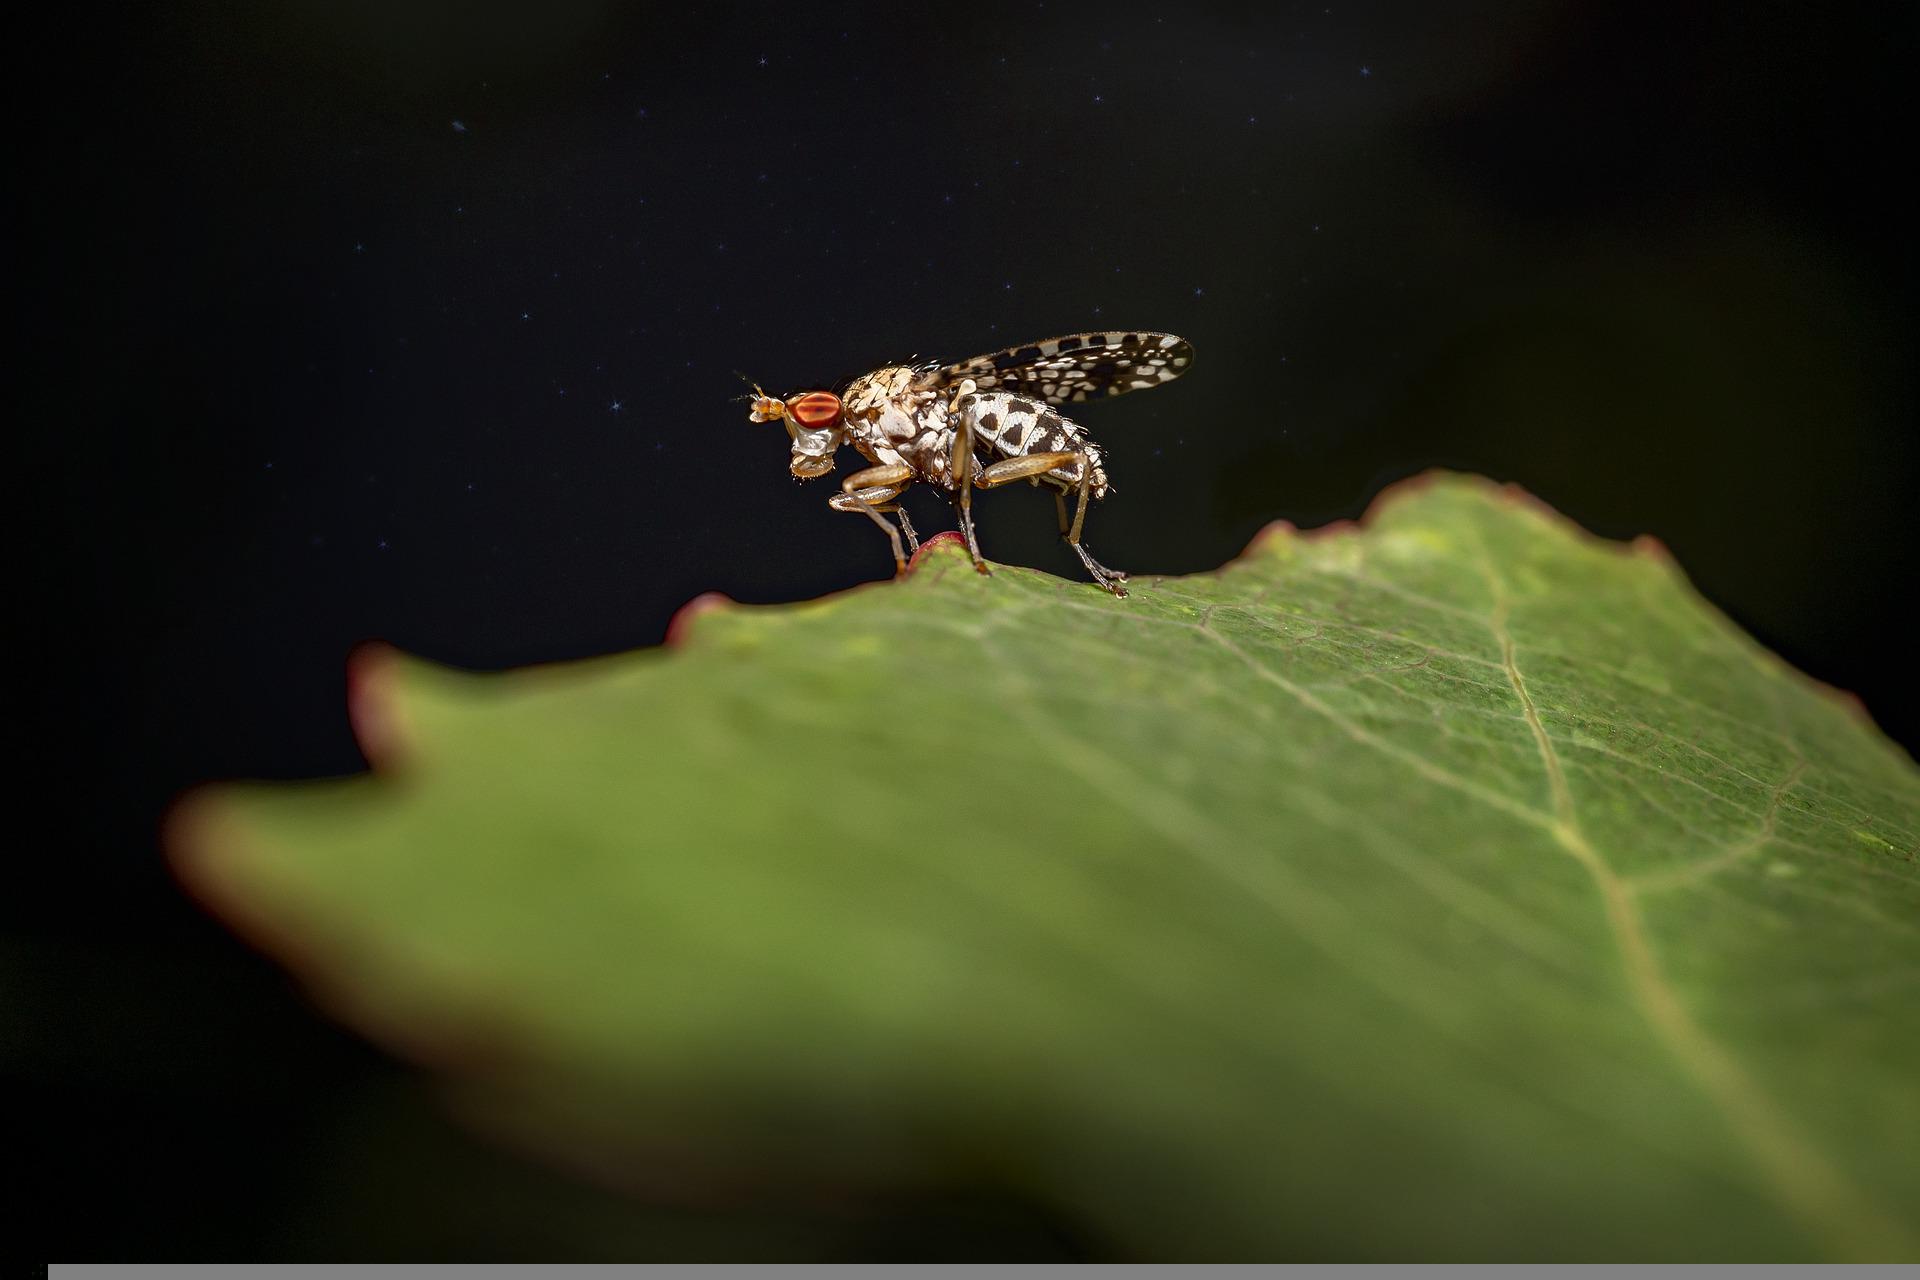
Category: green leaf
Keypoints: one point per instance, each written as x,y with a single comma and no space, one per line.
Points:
1455,886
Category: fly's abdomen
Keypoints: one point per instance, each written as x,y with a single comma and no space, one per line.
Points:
1013,426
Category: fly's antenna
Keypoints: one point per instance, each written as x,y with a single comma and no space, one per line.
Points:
755,394
766,408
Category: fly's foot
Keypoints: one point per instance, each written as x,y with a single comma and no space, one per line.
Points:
1111,579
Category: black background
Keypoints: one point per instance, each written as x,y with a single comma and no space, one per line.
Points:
421,322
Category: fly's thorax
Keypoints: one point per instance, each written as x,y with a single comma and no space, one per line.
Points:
924,437
870,393
905,417
884,413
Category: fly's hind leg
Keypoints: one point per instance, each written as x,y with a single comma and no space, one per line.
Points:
872,491
1099,571
1036,465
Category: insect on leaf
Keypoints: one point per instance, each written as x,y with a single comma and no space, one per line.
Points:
1455,886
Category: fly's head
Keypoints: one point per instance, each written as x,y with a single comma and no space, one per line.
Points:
815,420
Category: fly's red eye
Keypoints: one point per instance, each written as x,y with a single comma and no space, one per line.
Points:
815,409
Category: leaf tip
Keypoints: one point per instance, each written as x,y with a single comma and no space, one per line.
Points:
1849,703
1654,549
1270,532
683,617
373,705
189,839
204,845
946,538
1277,533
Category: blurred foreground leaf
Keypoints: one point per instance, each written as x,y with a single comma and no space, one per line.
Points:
1456,887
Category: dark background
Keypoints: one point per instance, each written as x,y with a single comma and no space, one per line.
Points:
338,322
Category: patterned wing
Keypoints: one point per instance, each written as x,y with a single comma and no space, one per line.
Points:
1080,366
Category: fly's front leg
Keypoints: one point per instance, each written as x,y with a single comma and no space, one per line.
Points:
872,491
960,467
881,499
1036,465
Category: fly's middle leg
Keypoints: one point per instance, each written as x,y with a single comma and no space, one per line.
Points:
960,467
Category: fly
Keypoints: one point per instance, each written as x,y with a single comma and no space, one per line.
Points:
976,424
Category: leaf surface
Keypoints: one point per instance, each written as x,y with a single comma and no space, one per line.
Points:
1455,886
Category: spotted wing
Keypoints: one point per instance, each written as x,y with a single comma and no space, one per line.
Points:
1080,366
